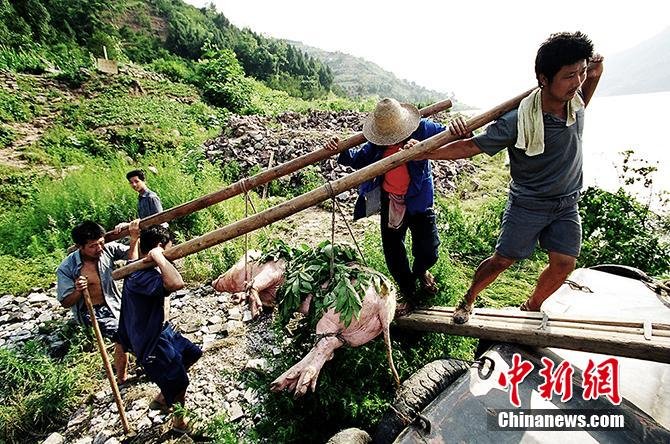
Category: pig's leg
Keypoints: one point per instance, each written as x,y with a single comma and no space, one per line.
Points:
304,375
255,304
239,297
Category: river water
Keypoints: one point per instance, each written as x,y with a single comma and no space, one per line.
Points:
633,122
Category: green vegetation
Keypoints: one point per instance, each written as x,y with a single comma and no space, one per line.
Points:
38,392
196,69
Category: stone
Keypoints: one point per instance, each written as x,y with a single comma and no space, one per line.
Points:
233,395
235,411
247,316
38,298
250,396
257,364
78,418
102,437
54,438
143,423
112,440
216,319
234,314
233,326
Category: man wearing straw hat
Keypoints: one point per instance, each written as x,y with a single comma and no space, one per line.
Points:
90,267
544,142
404,195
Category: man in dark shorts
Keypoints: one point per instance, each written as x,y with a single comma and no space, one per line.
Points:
544,142
90,267
163,352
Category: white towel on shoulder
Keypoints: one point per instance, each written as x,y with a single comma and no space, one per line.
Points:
530,124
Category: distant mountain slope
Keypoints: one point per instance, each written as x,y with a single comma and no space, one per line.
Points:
643,68
357,77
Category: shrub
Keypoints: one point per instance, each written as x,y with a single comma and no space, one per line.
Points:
38,393
222,80
175,69
619,229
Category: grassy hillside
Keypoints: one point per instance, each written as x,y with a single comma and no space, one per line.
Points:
357,77
68,134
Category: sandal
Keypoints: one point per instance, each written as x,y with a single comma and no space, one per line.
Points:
158,403
526,306
403,309
462,312
428,283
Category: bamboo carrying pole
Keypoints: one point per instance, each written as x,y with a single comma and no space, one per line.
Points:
105,361
261,178
320,194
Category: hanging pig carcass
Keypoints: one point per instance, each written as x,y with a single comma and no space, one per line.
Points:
260,283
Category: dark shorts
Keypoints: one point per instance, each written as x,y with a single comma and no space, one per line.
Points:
555,223
168,363
108,324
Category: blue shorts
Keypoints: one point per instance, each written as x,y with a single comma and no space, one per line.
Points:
108,324
167,364
555,223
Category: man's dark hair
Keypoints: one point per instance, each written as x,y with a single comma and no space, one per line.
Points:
87,231
560,49
135,173
152,236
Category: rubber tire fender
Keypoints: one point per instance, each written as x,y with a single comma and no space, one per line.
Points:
415,393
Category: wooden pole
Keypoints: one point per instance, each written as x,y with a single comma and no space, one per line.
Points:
320,194
105,361
261,178
270,162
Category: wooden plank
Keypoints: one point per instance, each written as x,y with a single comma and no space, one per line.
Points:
632,328
526,332
510,313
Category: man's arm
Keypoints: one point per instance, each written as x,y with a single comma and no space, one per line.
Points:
69,290
593,72
172,280
134,231
459,149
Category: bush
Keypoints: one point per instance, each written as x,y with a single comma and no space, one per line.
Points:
175,69
37,393
222,80
7,135
618,229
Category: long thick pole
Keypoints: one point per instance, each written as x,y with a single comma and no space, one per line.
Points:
105,361
261,178
320,194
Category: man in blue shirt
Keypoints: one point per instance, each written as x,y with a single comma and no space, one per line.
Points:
148,202
404,195
163,352
90,267
544,142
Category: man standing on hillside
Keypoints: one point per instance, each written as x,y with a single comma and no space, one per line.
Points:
544,142
90,267
148,202
164,353
405,194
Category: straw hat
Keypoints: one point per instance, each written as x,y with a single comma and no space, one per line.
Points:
391,122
